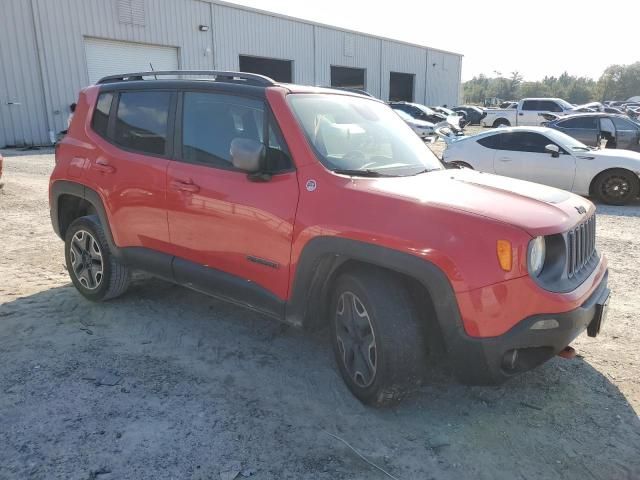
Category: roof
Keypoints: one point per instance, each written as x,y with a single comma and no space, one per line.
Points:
324,25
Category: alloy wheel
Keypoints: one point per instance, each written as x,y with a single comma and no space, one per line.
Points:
616,187
356,339
86,260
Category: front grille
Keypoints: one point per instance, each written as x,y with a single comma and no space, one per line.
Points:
581,246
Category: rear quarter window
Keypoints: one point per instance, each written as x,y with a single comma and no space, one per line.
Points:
492,141
100,120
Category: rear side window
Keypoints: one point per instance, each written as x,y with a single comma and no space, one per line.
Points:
492,141
524,142
100,120
142,121
589,123
530,105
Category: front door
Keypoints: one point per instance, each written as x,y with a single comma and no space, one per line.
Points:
223,226
522,155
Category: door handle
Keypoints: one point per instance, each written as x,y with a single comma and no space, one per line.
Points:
184,186
504,159
521,114
103,166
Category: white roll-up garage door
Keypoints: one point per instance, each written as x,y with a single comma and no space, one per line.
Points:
110,57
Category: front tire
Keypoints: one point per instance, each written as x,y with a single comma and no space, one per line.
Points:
377,337
616,186
94,271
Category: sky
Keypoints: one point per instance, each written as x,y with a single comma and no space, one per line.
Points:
535,38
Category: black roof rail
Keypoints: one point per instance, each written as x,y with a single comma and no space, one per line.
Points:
222,76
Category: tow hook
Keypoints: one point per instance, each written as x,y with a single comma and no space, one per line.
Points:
568,352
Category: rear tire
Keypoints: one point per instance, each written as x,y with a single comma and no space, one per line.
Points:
501,122
94,271
377,337
616,186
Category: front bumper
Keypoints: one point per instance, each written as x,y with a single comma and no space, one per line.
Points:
481,361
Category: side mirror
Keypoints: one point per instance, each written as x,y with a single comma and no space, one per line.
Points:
247,155
554,150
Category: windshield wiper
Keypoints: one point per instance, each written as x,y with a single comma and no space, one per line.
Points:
362,173
426,170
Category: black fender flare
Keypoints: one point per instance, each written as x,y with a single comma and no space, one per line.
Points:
65,187
321,258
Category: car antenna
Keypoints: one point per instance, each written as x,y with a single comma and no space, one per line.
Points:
152,69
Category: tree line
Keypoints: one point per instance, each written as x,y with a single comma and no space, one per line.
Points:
618,82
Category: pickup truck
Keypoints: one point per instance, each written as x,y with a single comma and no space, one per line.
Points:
527,112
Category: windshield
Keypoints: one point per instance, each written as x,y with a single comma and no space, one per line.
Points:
426,110
566,142
404,115
361,135
565,105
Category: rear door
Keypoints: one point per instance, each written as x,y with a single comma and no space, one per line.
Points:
225,228
522,155
585,129
627,134
130,130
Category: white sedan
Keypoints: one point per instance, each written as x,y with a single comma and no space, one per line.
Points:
546,156
423,129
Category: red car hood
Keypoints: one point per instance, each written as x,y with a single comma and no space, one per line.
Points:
535,208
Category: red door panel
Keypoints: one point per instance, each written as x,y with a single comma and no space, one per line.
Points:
220,219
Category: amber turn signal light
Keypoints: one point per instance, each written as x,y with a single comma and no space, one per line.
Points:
505,254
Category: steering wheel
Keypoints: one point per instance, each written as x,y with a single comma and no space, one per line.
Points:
354,158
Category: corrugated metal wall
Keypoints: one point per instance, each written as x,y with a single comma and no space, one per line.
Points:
22,109
237,32
335,47
45,39
397,57
65,23
443,78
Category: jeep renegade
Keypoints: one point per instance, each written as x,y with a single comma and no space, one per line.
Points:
322,207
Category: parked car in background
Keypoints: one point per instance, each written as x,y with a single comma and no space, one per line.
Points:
527,112
322,208
461,121
615,110
589,107
550,157
420,112
472,114
591,128
423,129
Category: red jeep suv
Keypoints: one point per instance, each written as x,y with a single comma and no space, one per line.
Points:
322,207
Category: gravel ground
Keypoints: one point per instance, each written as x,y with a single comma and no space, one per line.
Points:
166,383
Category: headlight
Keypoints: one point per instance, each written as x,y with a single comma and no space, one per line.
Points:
537,254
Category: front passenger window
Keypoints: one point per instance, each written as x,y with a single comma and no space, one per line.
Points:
211,121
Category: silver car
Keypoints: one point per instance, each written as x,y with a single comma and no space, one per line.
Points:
591,129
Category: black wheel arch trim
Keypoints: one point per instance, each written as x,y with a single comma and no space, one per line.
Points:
65,187
323,256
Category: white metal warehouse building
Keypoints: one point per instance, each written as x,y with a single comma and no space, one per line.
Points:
50,49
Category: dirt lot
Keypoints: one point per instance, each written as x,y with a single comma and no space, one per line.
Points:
166,383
